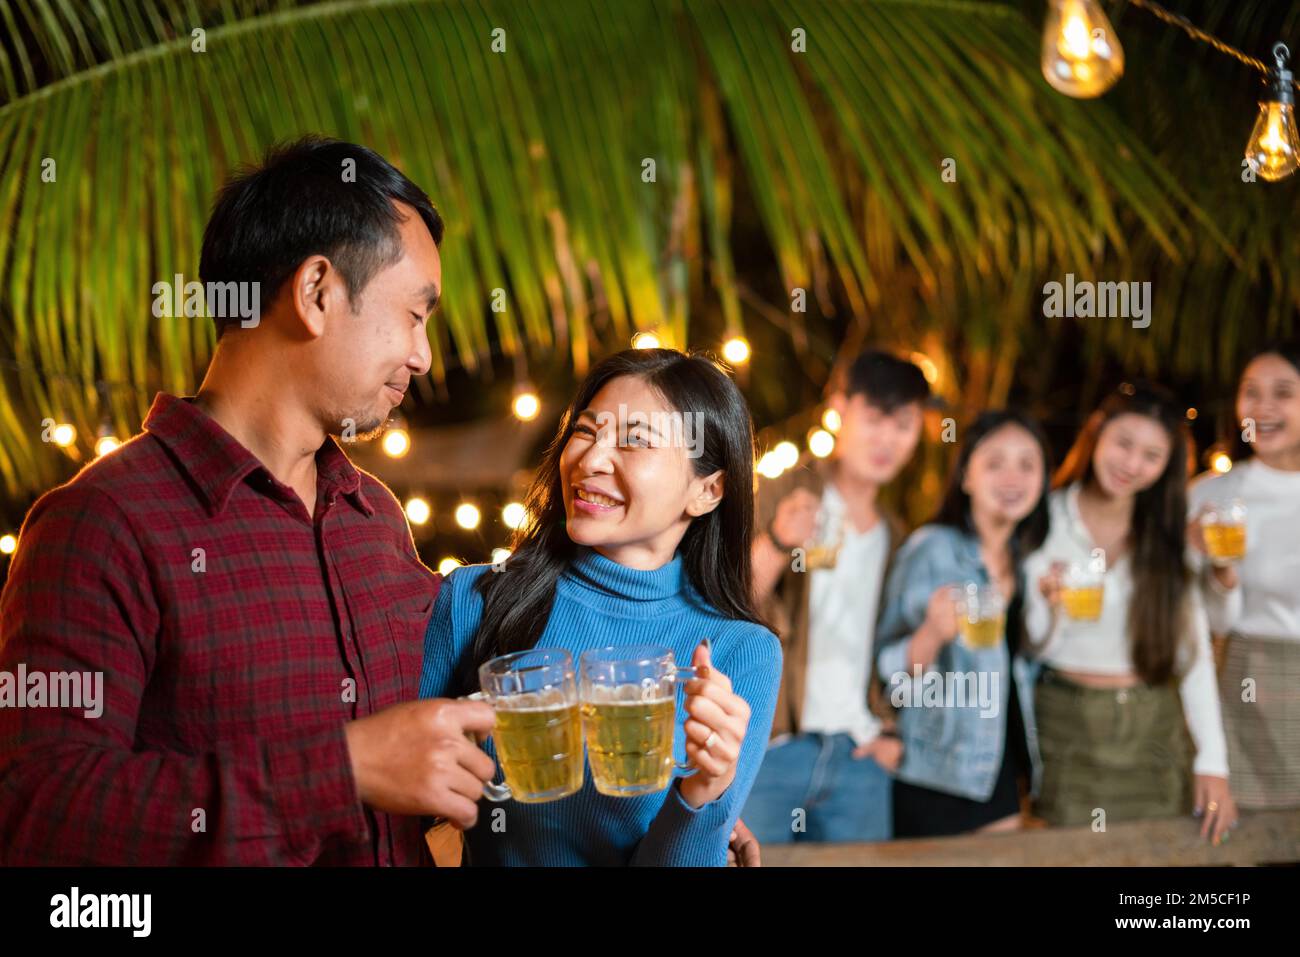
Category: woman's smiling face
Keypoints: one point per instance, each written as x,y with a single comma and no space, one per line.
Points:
1131,455
1004,477
1269,400
627,476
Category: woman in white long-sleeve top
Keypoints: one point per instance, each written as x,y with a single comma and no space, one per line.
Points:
1124,669
1256,601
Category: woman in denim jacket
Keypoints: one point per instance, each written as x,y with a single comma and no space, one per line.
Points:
965,713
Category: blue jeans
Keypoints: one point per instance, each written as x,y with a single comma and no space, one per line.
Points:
842,798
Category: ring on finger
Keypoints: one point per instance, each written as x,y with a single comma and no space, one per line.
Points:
709,741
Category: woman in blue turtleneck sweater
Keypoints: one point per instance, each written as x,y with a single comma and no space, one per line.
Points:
640,521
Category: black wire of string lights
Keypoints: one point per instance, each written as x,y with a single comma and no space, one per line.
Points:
1196,33
1082,57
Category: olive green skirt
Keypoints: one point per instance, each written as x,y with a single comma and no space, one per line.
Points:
1122,751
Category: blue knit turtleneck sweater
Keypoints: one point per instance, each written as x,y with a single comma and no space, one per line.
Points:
599,602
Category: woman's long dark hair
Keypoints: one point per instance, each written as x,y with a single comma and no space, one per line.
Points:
1288,350
715,550
1157,612
1030,532
954,510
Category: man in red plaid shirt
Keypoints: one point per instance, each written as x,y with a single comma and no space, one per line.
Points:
253,602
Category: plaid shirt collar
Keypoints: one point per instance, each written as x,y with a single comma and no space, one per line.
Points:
216,462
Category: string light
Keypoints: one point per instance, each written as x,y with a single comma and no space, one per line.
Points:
1221,462
526,405
736,350
8,544
1081,55
787,453
514,515
821,443
64,435
468,516
831,421
447,565
646,340
769,465
397,440
107,441
1273,150
499,555
418,511
105,444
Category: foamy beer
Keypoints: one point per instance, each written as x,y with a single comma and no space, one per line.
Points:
1083,588
981,615
629,707
538,731
1225,531
821,556
824,553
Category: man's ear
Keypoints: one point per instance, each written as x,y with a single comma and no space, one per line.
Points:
708,494
311,286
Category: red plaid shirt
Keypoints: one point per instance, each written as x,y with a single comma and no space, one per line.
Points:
228,673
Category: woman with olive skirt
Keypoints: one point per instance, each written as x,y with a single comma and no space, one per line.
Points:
1116,619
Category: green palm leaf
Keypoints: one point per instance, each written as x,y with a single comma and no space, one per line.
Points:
535,157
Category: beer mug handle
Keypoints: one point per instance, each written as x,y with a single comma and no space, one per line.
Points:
493,792
684,674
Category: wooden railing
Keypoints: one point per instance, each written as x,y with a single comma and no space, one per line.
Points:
1262,837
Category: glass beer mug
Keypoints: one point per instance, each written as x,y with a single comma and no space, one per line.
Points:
538,729
981,614
828,537
1224,525
1082,587
629,706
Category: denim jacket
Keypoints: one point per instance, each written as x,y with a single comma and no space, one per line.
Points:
957,750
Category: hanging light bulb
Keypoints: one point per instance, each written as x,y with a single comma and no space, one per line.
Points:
514,515
107,441
1273,150
105,444
467,516
1081,54
821,443
418,510
736,350
769,466
526,405
397,440
64,435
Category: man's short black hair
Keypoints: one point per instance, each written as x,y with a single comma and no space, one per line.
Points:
886,381
306,199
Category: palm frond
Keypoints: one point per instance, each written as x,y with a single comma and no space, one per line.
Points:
535,157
